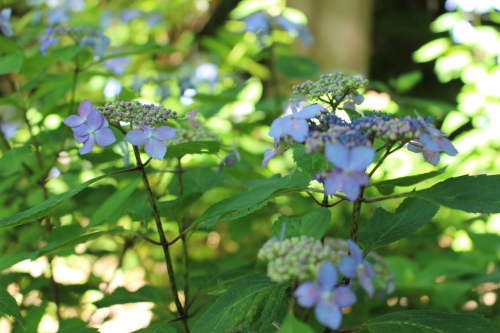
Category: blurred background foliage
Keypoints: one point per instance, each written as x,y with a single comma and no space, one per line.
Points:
438,57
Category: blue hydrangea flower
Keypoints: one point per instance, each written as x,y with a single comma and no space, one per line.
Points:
152,139
5,25
295,124
349,174
90,127
296,30
47,40
431,156
354,265
117,65
327,298
434,140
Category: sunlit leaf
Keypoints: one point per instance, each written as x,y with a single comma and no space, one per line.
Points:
8,305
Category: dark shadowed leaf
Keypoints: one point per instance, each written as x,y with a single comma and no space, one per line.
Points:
385,227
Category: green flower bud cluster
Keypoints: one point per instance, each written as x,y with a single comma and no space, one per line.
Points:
136,113
185,135
335,86
298,257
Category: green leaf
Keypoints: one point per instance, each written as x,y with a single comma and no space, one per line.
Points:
11,63
123,296
67,53
432,50
248,306
9,306
11,161
312,224
173,209
9,260
108,207
472,194
45,207
297,67
308,163
406,81
7,45
193,147
386,187
55,247
429,322
249,200
385,227
293,325
158,327
315,223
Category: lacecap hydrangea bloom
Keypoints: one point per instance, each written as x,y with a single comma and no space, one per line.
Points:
151,139
326,296
90,127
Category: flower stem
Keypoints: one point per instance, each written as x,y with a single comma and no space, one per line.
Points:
356,208
161,233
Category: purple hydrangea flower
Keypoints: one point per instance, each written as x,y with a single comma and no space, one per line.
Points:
431,156
434,140
47,40
5,25
328,298
190,116
257,22
295,124
152,138
90,127
354,265
349,174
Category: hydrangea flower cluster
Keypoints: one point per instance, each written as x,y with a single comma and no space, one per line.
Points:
188,135
136,113
92,125
348,145
307,259
5,25
297,257
336,87
83,36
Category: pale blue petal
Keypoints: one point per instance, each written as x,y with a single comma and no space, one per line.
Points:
332,184
268,154
329,315
81,139
355,252
361,177
276,130
73,121
368,269
95,120
350,188
307,294
347,267
360,158
428,142
358,99
309,111
85,108
87,146
104,136
414,148
366,284
298,129
156,149
431,156
164,133
344,296
327,275
446,146
137,137
338,155
147,130
81,130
